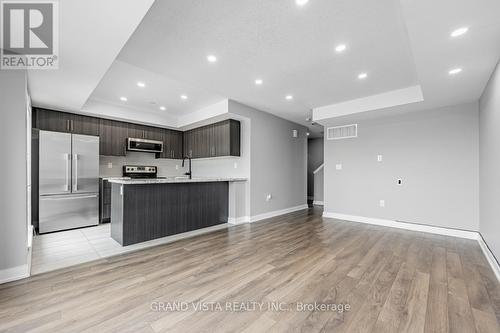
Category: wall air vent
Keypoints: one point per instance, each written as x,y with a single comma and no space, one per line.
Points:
342,132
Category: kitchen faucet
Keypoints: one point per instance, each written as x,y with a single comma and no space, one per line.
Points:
189,173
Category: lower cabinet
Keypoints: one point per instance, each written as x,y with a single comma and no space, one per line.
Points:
104,201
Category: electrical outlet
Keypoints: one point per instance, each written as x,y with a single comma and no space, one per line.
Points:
379,158
177,167
382,203
269,197
110,165
236,165
338,167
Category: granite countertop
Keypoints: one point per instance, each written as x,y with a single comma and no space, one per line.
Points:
170,180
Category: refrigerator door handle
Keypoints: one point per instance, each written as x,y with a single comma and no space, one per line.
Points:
68,170
69,197
75,159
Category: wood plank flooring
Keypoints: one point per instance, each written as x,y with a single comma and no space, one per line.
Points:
393,280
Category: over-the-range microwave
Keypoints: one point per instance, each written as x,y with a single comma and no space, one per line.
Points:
144,145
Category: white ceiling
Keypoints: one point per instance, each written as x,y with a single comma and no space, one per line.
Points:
399,43
121,81
91,35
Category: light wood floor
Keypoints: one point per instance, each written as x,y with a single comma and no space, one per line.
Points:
393,281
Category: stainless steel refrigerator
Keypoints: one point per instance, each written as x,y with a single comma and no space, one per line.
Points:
68,181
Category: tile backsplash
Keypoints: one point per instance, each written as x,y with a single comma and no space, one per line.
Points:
165,167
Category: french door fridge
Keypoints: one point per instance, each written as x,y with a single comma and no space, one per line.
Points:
68,181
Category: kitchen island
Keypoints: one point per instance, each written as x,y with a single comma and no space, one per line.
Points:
146,209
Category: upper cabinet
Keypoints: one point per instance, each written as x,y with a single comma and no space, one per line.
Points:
219,139
65,122
172,144
112,137
214,140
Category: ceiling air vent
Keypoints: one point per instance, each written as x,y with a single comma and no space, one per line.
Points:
342,132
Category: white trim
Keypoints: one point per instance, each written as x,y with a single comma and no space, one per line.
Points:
319,168
238,220
268,215
489,257
384,100
404,225
318,203
14,273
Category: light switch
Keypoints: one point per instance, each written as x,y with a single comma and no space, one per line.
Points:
338,167
269,197
110,165
379,158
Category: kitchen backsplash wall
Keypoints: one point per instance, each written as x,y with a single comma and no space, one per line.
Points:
165,167
210,167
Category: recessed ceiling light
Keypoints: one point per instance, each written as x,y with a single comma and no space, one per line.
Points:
455,71
258,82
184,97
459,32
340,48
362,76
163,108
289,97
301,2
308,133
141,84
124,99
211,58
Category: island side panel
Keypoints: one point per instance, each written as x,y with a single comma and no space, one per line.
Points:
152,211
116,213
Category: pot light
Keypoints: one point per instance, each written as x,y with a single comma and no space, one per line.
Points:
184,97
258,82
123,99
301,2
459,32
455,71
289,97
308,133
163,108
362,76
340,48
141,84
211,58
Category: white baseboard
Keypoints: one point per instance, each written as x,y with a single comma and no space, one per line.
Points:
318,203
404,225
489,257
263,216
14,273
238,220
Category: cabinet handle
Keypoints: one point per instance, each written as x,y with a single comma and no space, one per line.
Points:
72,126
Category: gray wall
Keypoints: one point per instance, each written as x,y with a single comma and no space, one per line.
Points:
278,163
434,152
314,160
13,223
489,162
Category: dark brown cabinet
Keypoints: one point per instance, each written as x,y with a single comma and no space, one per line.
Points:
214,140
65,122
172,144
113,137
219,139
